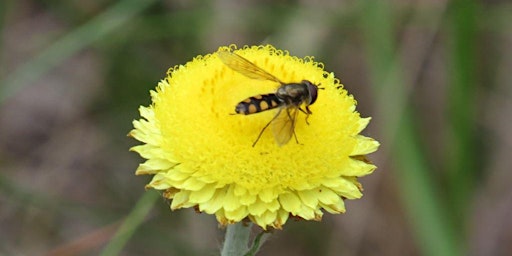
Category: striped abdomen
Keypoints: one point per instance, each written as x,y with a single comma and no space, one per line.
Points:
258,103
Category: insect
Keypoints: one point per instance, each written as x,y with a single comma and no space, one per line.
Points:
288,98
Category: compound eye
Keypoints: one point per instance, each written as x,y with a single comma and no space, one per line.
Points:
313,91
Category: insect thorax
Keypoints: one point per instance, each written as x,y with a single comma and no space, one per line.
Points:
294,93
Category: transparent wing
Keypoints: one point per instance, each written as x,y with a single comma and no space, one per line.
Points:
245,67
283,125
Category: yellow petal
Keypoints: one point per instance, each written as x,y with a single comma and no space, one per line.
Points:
327,196
193,184
290,202
347,189
335,208
237,214
267,195
309,198
357,168
282,217
231,201
257,208
215,204
364,145
180,200
155,164
203,195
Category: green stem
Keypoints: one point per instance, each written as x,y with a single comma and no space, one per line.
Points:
237,239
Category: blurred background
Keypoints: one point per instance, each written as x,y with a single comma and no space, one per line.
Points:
435,76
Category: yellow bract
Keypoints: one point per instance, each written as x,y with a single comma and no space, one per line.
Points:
200,153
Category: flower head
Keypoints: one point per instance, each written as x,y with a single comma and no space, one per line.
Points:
201,155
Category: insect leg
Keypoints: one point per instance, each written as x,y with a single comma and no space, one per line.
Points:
307,112
292,118
293,125
265,127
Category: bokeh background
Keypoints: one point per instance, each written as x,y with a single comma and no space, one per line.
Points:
435,75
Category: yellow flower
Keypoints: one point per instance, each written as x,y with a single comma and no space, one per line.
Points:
201,155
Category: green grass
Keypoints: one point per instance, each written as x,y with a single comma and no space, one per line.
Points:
71,43
130,224
431,221
462,162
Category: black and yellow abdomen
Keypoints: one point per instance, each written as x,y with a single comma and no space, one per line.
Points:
258,103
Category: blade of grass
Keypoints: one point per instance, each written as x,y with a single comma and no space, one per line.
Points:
3,11
98,27
434,232
130,224
462,161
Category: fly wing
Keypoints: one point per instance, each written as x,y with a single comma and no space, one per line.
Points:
245,67
283,125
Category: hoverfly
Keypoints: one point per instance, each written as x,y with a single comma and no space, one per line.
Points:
289,98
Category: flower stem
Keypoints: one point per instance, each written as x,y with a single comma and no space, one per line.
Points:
237,239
